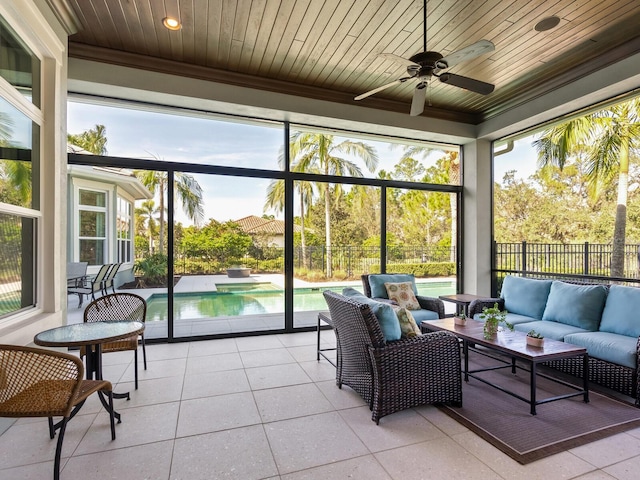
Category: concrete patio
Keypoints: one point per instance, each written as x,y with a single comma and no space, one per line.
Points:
264,408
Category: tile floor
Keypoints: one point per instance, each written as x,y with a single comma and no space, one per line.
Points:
264,408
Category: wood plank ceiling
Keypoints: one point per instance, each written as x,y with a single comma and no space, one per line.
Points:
329,48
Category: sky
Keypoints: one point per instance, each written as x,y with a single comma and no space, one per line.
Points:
198,140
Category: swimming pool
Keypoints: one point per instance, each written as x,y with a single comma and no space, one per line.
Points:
253,299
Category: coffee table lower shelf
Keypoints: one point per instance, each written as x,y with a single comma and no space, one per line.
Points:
513,346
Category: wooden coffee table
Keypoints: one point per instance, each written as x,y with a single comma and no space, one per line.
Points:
514,346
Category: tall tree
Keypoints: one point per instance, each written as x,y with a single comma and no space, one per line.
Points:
450,164
146,213
188,193
93,140
607,139
317,152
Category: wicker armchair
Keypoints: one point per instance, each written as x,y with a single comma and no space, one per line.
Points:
426,303
35,382
120,306
392,376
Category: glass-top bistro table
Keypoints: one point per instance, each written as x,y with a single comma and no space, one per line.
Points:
91,336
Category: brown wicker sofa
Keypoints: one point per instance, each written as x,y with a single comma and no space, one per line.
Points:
595,316
396,375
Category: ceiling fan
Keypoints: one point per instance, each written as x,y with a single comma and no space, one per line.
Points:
425,65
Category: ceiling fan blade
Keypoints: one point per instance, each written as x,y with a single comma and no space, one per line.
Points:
467,83
379,89
419,96
398,59
467,53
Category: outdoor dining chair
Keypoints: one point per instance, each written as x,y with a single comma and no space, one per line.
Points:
35,382
120,306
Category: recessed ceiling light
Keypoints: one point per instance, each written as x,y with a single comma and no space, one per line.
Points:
547,24
171,23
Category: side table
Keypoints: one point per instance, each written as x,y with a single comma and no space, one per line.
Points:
462,301
323,317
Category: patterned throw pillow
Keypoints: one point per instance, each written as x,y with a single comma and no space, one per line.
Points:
408,325
402,294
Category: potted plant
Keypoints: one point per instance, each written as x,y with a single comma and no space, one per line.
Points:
535,339
460,319
493,317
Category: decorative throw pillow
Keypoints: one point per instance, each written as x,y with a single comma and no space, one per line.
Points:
408,325
402,294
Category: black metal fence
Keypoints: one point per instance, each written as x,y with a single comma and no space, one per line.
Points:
582,259
349,260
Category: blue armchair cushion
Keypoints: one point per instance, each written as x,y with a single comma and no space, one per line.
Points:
525,296
577,305
376,282
387,318
621,311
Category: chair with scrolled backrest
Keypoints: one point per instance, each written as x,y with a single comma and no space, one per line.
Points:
36,382
120,306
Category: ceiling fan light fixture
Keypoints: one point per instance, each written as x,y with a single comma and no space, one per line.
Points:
171,23
546,24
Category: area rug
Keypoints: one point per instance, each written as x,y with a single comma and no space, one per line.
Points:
505,421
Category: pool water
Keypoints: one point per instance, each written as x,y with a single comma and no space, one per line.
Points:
254,299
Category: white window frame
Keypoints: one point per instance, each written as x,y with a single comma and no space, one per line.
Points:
130,217
108,210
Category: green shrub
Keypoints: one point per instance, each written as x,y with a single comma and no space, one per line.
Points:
439,269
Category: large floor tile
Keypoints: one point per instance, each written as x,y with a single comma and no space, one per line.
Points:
141,462
260,342
214,383
626,470
610,450
361,468
214,363
397,430
290,402
340,398
262,358
158,369
140,425
276,376
212,414
311,441
240,453
211,347
440,458
150,392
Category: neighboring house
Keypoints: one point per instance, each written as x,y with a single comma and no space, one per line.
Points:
101,216
267,232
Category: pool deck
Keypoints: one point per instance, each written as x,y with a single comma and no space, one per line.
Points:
224,325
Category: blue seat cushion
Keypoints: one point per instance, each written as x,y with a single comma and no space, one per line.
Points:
525,296
610,347
424,315
622,311
515,318
577,305
387,318
377,281
553,330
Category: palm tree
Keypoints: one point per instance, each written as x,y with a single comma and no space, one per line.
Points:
450,162
318,153
275,201
93,140
146,214
188,192
606,139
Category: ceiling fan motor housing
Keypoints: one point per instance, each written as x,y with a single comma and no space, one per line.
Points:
426,64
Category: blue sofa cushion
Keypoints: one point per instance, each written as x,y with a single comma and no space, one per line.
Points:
577,305
387,318
525,296
622,311
515,319
554,330
376,282
611,347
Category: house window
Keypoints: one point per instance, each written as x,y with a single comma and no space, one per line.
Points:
124,227
92,223
19,172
